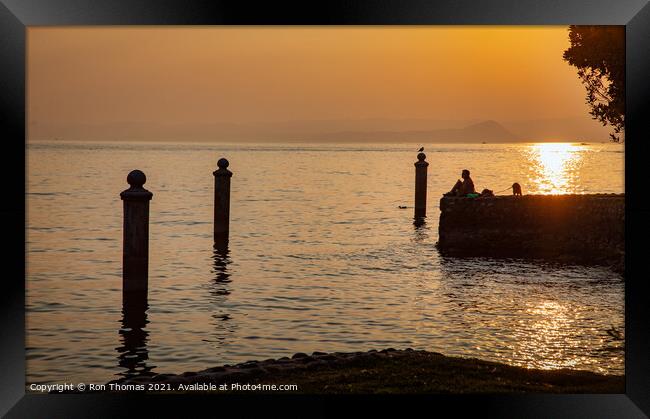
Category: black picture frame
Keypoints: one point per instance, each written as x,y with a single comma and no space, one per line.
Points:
17,15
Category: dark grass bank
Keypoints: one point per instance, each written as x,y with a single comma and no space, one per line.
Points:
386,371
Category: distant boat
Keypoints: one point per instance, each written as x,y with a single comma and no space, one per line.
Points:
483,142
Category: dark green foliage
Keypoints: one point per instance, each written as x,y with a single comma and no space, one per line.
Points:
599,54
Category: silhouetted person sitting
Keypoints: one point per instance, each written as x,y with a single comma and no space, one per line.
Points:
462,187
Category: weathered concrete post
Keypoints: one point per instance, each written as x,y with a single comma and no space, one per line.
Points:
221,202
420,189
135,254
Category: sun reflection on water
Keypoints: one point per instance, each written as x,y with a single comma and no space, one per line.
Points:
550,322
554,167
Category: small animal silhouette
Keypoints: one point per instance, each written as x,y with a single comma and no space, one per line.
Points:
421,149
516,189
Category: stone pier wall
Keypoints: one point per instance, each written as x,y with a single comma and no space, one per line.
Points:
585,229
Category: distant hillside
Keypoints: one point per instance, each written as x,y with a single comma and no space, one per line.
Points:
575,128
337,130
225,131
488,131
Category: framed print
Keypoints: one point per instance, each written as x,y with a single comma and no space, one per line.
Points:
301,204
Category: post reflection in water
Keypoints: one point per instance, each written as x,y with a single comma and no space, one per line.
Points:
221,260
219,291
421,232
133,353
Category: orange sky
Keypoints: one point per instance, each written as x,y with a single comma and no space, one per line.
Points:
190,75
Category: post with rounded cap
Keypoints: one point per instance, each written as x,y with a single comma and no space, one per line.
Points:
221,202
135,254
420,189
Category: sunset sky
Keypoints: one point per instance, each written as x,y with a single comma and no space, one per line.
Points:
106,77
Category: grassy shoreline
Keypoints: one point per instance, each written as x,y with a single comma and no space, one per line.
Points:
391,371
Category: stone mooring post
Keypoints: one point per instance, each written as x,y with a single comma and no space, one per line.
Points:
135,253
420,212
221,202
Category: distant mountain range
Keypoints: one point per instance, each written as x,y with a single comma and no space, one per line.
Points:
486,131
343,130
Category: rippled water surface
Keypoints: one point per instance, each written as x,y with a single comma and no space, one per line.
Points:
320,259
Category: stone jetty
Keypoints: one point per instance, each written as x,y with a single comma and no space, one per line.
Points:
583,229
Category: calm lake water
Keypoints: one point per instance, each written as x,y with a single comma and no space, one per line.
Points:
320,259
